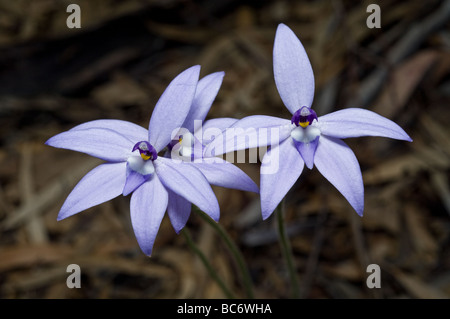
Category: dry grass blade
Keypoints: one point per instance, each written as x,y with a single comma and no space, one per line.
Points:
36,229
424,159
41,201
408,44
118,65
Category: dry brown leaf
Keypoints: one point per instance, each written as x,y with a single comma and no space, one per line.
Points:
423,159
187,273
438,133
348,269
403,82
180,33
145,266
381,215
382,248
33,280
42,200
416,286
425,244
25,256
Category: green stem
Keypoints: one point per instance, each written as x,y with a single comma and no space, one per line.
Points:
287,251
247,281
205,262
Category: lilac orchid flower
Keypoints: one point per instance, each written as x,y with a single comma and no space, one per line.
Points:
134,166
307,139
188,148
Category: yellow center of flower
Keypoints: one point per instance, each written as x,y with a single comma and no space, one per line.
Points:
303,124
145,157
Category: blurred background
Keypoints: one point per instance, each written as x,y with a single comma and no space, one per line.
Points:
118,64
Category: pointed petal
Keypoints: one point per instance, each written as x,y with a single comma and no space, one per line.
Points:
219,123
206,92
133,181
179,211
293,73
306,141
98,142
212,128
249,132
172,108
338,164
101,184
355,122
188,182
133,132
222,173
307,151
280,169
147,206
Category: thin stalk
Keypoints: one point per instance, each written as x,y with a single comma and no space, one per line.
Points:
287,251
206,263
247,281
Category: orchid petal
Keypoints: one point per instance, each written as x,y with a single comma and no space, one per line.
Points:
355,122
172,108
130,130
280,169
147,206
307,151
187,150
213,128
293,73
249,132
179,210
133,181
101,184
98,142
141,166
222,173
219,123
188,182
338,164
207,89
306,141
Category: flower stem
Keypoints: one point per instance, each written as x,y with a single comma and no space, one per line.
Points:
247,281
207,265
287,251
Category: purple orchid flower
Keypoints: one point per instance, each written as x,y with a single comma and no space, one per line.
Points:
189,149
134,166
306,139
